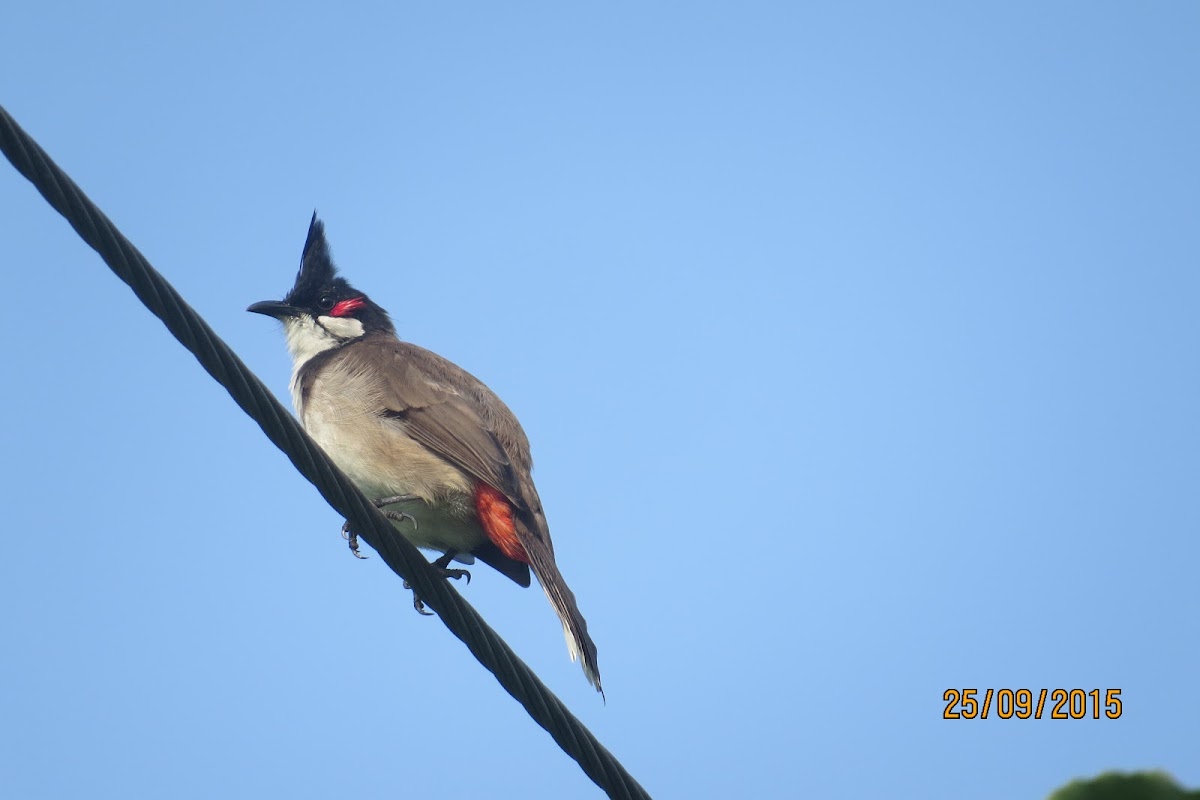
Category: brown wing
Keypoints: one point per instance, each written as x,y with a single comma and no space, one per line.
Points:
455,415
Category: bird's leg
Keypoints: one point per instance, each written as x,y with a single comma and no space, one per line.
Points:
442,564
380,502
396,516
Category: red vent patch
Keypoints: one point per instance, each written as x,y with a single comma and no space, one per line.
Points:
496,517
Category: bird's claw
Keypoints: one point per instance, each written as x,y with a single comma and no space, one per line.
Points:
458,573
400,516
440,565
352,539
418,603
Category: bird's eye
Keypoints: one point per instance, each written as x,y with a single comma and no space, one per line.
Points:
325,303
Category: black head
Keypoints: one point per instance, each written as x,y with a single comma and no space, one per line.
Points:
320,292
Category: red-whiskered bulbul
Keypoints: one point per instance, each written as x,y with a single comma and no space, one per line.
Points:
415,431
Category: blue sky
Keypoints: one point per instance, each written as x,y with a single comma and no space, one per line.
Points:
856,345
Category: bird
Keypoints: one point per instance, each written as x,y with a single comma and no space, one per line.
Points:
426,441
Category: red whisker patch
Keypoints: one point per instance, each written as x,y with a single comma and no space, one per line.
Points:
344,308
496,517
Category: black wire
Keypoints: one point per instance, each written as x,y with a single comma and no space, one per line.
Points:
281,428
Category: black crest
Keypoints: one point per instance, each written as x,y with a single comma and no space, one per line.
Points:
319,288
317,270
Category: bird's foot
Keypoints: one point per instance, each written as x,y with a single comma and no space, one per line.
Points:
396,516
442,564
351,538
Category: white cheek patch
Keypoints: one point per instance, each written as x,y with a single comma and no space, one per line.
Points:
342,327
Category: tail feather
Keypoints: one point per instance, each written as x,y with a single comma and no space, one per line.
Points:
579,644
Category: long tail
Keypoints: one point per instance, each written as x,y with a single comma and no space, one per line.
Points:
513,539
579,644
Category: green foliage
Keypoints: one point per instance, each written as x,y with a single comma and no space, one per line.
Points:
1126,786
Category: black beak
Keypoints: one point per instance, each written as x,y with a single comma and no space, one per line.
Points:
274,308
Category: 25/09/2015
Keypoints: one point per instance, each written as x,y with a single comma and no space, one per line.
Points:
1024,704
